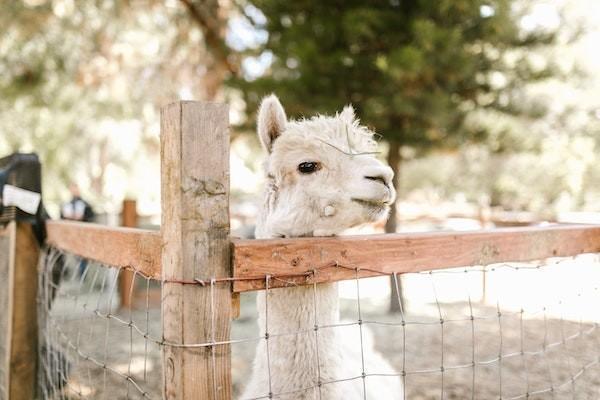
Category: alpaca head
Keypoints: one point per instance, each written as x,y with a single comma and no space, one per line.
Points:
323,176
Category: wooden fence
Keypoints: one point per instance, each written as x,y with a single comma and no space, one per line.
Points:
194,246
19,252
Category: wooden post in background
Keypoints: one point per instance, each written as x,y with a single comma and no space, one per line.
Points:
195,244
129,218
19,253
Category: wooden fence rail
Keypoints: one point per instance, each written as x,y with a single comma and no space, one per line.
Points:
375,255
398,253
118,246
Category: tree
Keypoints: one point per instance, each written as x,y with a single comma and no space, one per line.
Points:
413,69
211,17
80,84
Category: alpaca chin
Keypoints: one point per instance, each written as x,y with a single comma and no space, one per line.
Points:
378,212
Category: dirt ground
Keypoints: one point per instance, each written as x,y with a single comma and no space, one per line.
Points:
558,354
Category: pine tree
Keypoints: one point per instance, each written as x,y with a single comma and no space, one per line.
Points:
413,69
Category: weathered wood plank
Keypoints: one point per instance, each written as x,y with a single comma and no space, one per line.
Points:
410,252
121,247
195,238
401,253
7,254
24,344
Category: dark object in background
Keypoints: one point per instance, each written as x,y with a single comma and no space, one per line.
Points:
23,171
77,209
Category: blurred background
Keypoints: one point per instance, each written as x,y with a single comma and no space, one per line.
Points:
487,109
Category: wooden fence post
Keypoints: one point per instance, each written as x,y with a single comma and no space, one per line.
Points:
129,218
196,245
19,253
7,255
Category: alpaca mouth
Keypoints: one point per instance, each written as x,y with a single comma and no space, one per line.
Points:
369,202
372,204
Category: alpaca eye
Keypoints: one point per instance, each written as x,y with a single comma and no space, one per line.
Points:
308,167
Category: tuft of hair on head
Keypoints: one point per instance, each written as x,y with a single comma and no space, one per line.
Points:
348,114
271,121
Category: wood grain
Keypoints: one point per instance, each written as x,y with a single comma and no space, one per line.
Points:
401,253
114,246
195,238
7,254
24,343
129,219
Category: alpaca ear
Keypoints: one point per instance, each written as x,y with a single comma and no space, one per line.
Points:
347,114
271,121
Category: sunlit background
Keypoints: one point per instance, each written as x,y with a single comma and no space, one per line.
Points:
81,84
488,110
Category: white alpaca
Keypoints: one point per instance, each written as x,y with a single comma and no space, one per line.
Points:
322,179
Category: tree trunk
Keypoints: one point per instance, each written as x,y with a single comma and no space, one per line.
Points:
394,159
211,18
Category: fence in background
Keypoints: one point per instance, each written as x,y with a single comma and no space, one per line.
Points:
201,271
127,289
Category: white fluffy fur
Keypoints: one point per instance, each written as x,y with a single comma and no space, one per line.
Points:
271,121
346,191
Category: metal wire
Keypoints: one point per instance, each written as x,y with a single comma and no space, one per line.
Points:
82,355
89,348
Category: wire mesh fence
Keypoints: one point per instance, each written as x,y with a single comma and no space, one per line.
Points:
510,331
90,347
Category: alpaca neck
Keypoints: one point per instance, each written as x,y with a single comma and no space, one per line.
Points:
298,308
294,352
295,308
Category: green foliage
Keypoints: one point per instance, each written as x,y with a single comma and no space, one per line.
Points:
562,176
80,83
413,69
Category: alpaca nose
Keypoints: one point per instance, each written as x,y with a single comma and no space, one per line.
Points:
381,174
376,178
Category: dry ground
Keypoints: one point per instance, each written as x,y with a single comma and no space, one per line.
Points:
570,345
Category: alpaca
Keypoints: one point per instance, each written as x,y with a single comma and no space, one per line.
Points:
322,178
